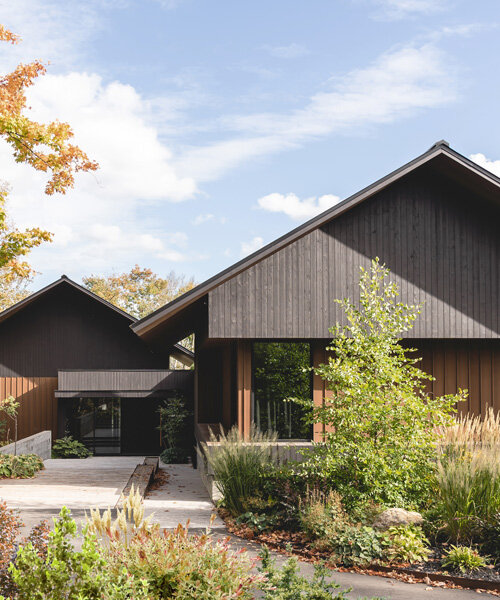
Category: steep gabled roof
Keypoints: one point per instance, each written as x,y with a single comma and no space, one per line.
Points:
442,157
179,352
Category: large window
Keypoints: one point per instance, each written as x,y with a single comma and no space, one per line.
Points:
279,372
96,423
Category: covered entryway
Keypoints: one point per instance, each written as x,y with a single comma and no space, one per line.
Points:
116,412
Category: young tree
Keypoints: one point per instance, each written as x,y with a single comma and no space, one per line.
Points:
381,424
140,291
44,146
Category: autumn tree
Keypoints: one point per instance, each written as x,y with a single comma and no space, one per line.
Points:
13,288
140,291
46,147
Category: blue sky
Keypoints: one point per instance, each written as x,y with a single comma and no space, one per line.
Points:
221,125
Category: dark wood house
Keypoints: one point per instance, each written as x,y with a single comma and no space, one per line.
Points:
74,364
80,364
434,222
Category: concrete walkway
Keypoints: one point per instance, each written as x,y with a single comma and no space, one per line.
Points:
183,498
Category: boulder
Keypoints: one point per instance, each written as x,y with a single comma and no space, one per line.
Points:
392,517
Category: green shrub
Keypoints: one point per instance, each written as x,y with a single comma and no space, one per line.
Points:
174,418
257,522
488,533
68,447
382,426
22,466
62,573
287,583
354,545
238,465
406,544
463,558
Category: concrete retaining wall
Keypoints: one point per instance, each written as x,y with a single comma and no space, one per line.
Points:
40,444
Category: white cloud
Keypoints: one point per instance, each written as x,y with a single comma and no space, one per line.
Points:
99,223
486,163
295,208
203,219
252,246
398,9
291,51
396,85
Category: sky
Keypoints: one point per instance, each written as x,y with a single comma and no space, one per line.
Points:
221,125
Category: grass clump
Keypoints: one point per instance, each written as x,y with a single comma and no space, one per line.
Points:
463,559
238,465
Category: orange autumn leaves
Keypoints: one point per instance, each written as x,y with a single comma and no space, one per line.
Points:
46,147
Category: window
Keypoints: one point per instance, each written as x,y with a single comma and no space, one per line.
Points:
279,373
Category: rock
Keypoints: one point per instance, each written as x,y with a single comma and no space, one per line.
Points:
392,517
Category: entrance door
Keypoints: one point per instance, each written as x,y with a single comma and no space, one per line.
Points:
140,421
96,423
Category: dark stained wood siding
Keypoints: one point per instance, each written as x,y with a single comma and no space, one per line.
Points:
66,329
125,380
440,241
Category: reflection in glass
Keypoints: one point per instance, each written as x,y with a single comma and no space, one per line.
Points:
280,370
96,423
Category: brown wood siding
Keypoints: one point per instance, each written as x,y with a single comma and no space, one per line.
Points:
38,406
66,329
440,242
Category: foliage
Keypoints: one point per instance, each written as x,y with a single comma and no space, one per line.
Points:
174,431
281,370
257,522
287,583
8,407
68,447
488,533
321,515
44,146
13,287
406,544
10,528
64,573
139,292
468,474
238,465
23,466
463,558
381,424
355,545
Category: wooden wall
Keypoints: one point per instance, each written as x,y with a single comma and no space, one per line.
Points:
440,241
38,406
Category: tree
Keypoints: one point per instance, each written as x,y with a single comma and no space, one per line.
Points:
44,146
140,291
382,427
13,288
9,407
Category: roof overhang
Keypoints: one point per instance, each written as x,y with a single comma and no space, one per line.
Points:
440,158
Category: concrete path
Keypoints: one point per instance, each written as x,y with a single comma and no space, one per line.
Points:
182,498
75,483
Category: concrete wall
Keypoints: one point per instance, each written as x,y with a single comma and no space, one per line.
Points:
40,444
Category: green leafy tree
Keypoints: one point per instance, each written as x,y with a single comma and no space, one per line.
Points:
9,407
382,426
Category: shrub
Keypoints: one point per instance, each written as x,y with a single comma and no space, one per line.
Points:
287,584
321,514
406,544
463,559
355,545
257,522
173,420
22,466
489,536
238,465
381,424
68,447
468,474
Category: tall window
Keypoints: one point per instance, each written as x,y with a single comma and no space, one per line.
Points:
279,373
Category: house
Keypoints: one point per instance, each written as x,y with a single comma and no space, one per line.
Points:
80,364
74,364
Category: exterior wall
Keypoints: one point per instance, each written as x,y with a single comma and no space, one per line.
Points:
39,444
66,329
468,364
440,241
38,406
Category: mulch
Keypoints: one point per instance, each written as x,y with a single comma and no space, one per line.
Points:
485,580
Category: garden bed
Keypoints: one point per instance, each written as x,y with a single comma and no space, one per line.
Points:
430,572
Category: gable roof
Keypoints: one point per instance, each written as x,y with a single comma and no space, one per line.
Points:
179,352
443,158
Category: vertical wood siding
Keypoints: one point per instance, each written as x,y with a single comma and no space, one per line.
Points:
38,406
440,241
